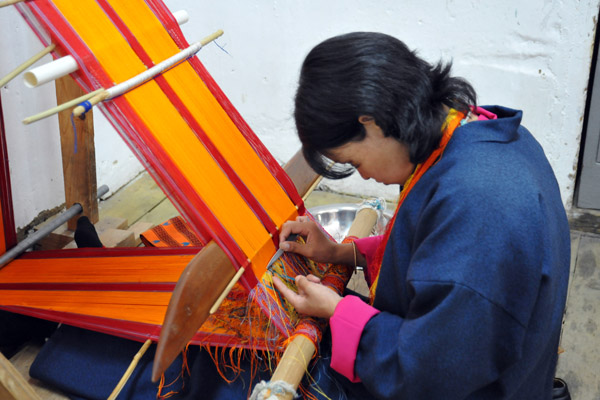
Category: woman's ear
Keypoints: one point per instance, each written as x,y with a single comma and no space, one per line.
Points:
366,119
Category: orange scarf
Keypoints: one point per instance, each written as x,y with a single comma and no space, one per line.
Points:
452,121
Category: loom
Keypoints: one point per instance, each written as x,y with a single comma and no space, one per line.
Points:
143,75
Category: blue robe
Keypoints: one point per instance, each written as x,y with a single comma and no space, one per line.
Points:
474,279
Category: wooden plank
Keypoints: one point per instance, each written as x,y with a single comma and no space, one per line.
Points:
117,238
110,223
138,228
56,240
162,212
134,200
13,385
22,362
301,173
79,168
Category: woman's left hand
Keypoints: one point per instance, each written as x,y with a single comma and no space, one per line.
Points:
312,299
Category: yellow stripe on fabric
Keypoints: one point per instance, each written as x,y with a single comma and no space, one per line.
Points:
206,110
168,127
139,269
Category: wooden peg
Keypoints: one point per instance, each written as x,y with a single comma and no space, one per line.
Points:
61,107
26,64
228,288
97,98
129,371
7,3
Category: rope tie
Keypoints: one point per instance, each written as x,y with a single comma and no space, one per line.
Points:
270,390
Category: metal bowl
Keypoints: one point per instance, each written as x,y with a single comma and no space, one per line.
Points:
337,219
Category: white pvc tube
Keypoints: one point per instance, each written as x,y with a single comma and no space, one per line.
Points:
181,16
66,65
152,72
49,72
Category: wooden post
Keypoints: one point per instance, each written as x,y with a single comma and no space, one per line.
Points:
12,383
79,169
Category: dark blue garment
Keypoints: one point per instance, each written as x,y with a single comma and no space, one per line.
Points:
88,365
474,279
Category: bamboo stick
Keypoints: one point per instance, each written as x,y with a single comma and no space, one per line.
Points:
11,75
62,107
228,288
129,371
7,3
101,95
147,75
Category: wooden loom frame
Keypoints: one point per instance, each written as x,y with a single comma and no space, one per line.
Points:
296,168
303,177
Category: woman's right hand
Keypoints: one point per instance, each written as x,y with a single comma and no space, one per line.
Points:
317,246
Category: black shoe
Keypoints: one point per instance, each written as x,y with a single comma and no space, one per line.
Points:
560,390
85,234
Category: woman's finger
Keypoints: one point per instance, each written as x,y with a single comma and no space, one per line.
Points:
288,293
290,227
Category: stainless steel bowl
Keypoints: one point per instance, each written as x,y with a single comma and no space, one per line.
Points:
337,219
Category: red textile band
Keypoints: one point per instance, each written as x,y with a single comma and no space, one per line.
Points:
242,189
137,135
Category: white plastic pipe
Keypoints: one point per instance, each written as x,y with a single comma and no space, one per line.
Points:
148,74
66,65
49,72
181,16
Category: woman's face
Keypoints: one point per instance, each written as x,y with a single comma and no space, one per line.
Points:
376,156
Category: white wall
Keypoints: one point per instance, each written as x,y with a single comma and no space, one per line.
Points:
532,55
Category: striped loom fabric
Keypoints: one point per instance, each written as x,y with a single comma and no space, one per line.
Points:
220,177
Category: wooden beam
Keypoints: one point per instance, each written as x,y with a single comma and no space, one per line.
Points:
79,168
12,383
301,173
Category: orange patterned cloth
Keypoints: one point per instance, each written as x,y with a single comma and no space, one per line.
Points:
172,233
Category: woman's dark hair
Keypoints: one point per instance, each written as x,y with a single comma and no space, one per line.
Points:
373,74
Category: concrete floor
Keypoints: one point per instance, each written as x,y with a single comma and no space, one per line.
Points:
579,364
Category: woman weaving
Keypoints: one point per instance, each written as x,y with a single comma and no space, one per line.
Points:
468,285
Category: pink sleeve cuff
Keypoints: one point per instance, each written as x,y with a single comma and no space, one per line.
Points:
347,323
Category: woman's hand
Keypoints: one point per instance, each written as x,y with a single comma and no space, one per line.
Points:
312,299
317,246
